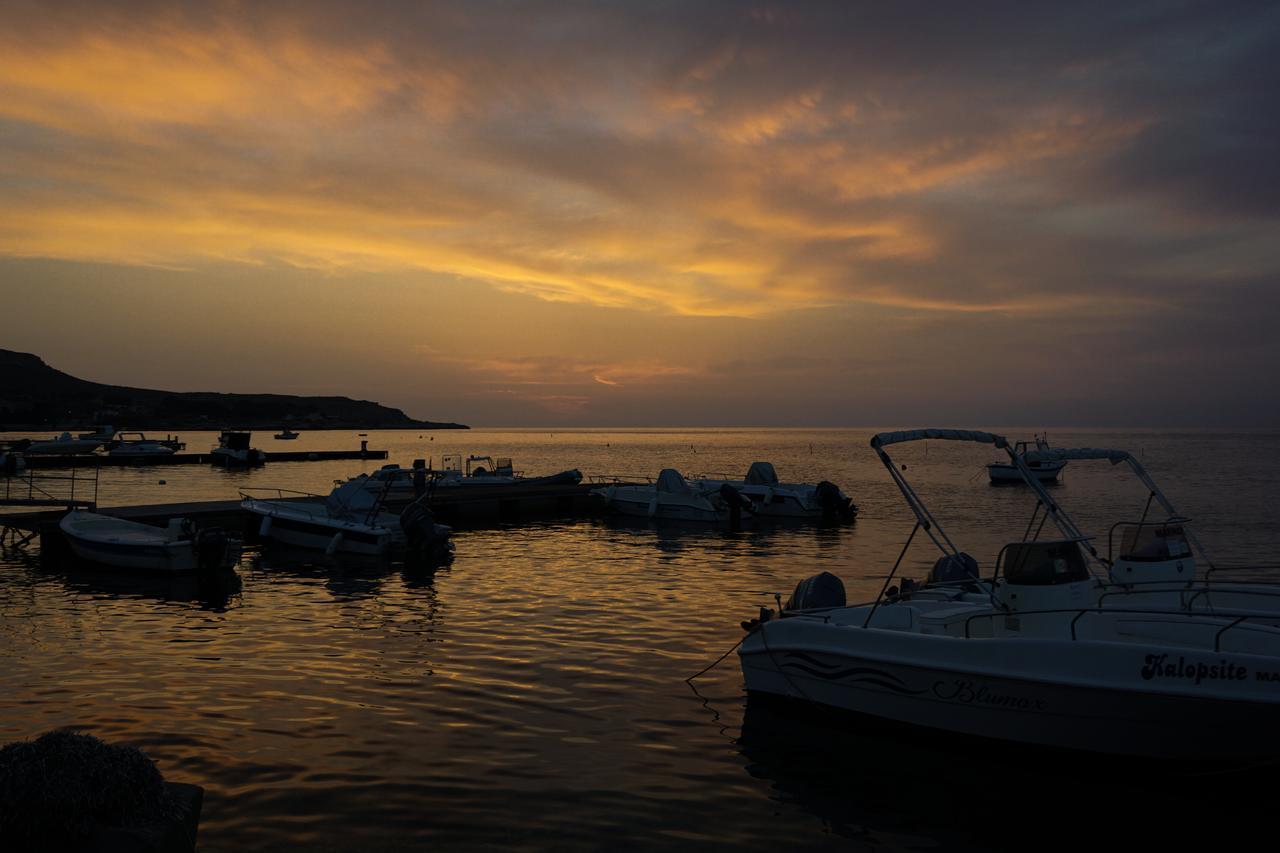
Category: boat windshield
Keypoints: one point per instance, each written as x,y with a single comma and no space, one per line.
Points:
1044,563
1153,542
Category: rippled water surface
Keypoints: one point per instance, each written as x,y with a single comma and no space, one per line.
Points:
532,694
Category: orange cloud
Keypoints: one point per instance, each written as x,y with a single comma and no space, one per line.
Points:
178,142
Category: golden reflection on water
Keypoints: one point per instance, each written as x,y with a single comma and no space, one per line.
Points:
532,692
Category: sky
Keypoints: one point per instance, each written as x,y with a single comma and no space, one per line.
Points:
654,214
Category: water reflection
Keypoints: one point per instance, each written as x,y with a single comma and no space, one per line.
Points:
214,591
346,576
857,775
676,537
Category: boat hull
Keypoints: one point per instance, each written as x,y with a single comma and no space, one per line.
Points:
1047,473
1100,702
665,510
311,530
172,557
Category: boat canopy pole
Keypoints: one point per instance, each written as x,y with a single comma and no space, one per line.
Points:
923,515
1064,522
1115,457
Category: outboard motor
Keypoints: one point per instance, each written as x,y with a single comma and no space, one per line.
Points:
834,505
820,591
736,503
211,549
954,569
427,540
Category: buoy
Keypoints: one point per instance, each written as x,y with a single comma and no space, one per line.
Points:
609,493
164,482
265,528
653,506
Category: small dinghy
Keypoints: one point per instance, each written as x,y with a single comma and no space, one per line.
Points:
130,545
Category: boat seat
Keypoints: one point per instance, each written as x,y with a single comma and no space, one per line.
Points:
950,620
895,617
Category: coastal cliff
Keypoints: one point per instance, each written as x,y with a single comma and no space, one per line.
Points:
33,394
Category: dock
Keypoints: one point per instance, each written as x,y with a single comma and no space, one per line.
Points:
462,508
108,461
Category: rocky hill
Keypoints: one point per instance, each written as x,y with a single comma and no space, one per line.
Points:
34,394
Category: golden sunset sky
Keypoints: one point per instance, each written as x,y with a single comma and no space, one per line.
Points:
654,213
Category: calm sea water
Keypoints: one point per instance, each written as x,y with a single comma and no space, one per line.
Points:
532,694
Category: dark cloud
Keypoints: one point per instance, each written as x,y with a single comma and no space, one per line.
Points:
1082,198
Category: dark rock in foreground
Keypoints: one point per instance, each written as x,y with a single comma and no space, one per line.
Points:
72,791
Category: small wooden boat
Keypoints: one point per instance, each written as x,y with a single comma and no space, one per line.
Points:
127,544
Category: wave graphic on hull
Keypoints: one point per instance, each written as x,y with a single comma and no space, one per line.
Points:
848,674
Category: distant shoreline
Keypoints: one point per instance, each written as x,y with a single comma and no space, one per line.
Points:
198,427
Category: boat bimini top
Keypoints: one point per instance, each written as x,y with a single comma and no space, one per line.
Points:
955,566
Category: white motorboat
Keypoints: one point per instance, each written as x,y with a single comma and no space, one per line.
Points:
129,545
400,484
350,520
672,498
63,444
233,450
488,471
1026,654
1046,470
142,447
137,444
773,499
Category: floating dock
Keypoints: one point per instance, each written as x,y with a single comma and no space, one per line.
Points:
108,461
462,507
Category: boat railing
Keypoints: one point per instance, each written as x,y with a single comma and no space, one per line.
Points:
321,510
1232,620
619,479
77,488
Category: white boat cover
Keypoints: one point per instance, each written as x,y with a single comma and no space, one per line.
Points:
884,438
1065,453
669,480
351,498
761,474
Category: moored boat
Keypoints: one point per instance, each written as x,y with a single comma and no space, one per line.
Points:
351,519
773,499
63,444
672,498
127,544
1024,654
286,434
1045,470
141,448
399,484
234,450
